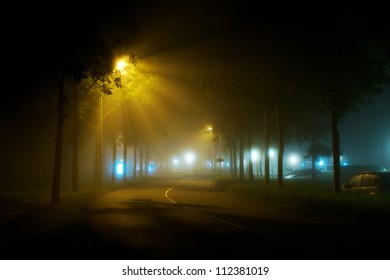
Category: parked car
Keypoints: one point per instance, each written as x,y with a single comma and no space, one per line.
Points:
368,182
346,171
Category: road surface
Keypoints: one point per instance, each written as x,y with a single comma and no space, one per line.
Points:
196,219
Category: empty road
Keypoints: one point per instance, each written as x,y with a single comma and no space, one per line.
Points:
195,219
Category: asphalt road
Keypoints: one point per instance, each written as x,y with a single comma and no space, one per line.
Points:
195,219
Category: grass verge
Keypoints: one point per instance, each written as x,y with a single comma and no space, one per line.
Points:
52,231
317,198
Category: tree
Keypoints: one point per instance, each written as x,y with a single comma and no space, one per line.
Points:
315,151
80,54
347,75
310,125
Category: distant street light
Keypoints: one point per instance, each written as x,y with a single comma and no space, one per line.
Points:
190,158
220,159
293,161
271,154
255,156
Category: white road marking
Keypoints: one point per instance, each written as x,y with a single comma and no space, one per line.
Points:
196,211
236,225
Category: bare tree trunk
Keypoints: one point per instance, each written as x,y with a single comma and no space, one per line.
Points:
55,195
260,168
336,151
147,159
125,145
313,166
313,158
99,145
76,136
242,171
281,144
231,161
266,148
234,158
141,161
250,161
135,162
114,149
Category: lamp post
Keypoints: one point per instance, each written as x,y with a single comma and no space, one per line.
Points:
219,159
209,130
121,64
100,143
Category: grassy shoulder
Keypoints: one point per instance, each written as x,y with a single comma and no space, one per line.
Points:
57,231
316,198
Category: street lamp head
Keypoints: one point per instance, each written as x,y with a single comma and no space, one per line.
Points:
121,64
209,130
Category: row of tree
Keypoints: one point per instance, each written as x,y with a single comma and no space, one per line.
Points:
294,82
270,78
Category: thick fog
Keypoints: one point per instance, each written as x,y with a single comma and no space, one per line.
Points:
365,134
176,40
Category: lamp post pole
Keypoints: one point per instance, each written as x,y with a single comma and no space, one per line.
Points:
220,153
100,143
219,159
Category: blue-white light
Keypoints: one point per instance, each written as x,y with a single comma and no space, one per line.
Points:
151,169
119,168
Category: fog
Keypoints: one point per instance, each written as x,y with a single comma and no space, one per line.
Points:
365,134
175,40
28,146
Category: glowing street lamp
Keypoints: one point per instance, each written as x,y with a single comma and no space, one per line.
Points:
271,153
255,156
121,65
175,164
293,161
119,168
190,158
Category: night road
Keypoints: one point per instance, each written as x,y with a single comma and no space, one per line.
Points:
212,132
194,219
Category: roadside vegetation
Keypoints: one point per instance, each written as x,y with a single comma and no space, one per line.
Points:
43,226
316,198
